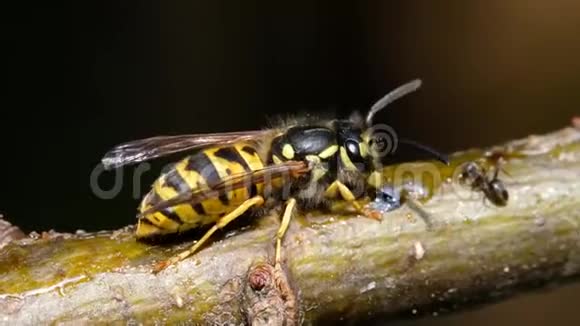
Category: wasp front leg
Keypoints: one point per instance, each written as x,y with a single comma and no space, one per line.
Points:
339,188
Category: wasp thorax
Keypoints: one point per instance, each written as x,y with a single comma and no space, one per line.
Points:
297,143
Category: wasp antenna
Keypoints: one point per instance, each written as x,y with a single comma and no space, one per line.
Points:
437,155
392,96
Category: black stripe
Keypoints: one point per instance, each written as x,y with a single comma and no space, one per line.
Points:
198,208
201,164
253,190
232,155
224,199
249,150
172,215
154,198
175,181
146,221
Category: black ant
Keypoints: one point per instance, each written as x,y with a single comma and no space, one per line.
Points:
494,189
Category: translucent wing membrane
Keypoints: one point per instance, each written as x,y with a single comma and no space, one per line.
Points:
154,147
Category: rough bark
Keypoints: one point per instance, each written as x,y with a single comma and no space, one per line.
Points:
347,268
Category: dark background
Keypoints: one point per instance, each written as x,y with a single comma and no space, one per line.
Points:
82,78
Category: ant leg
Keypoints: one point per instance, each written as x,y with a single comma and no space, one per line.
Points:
496,173
501,161
484,200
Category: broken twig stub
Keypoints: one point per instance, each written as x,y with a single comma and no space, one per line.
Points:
268,298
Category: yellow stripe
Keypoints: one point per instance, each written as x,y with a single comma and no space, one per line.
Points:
346,160
254,162
328,152
184,211
276,159
164,222
159,221
196,182
145,230
288,151
238,196
191,177
363,149
193,180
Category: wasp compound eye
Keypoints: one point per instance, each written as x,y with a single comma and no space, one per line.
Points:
353,150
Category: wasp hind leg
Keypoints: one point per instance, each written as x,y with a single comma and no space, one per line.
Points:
221,223
290,205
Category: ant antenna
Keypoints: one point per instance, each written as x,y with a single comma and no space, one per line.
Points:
391,97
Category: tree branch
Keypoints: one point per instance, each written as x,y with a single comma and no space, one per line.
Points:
345,268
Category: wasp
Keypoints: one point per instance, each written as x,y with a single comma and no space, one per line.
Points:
491,186
305,164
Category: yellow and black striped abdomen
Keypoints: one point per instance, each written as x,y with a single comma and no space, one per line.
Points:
202,170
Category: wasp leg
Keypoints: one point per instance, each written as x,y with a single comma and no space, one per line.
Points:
345,193
283,228
222,222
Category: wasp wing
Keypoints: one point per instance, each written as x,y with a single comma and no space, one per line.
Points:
291,169
149,148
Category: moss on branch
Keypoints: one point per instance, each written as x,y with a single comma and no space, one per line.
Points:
346,268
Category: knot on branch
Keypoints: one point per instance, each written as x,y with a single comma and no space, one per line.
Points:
9,232
268,297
